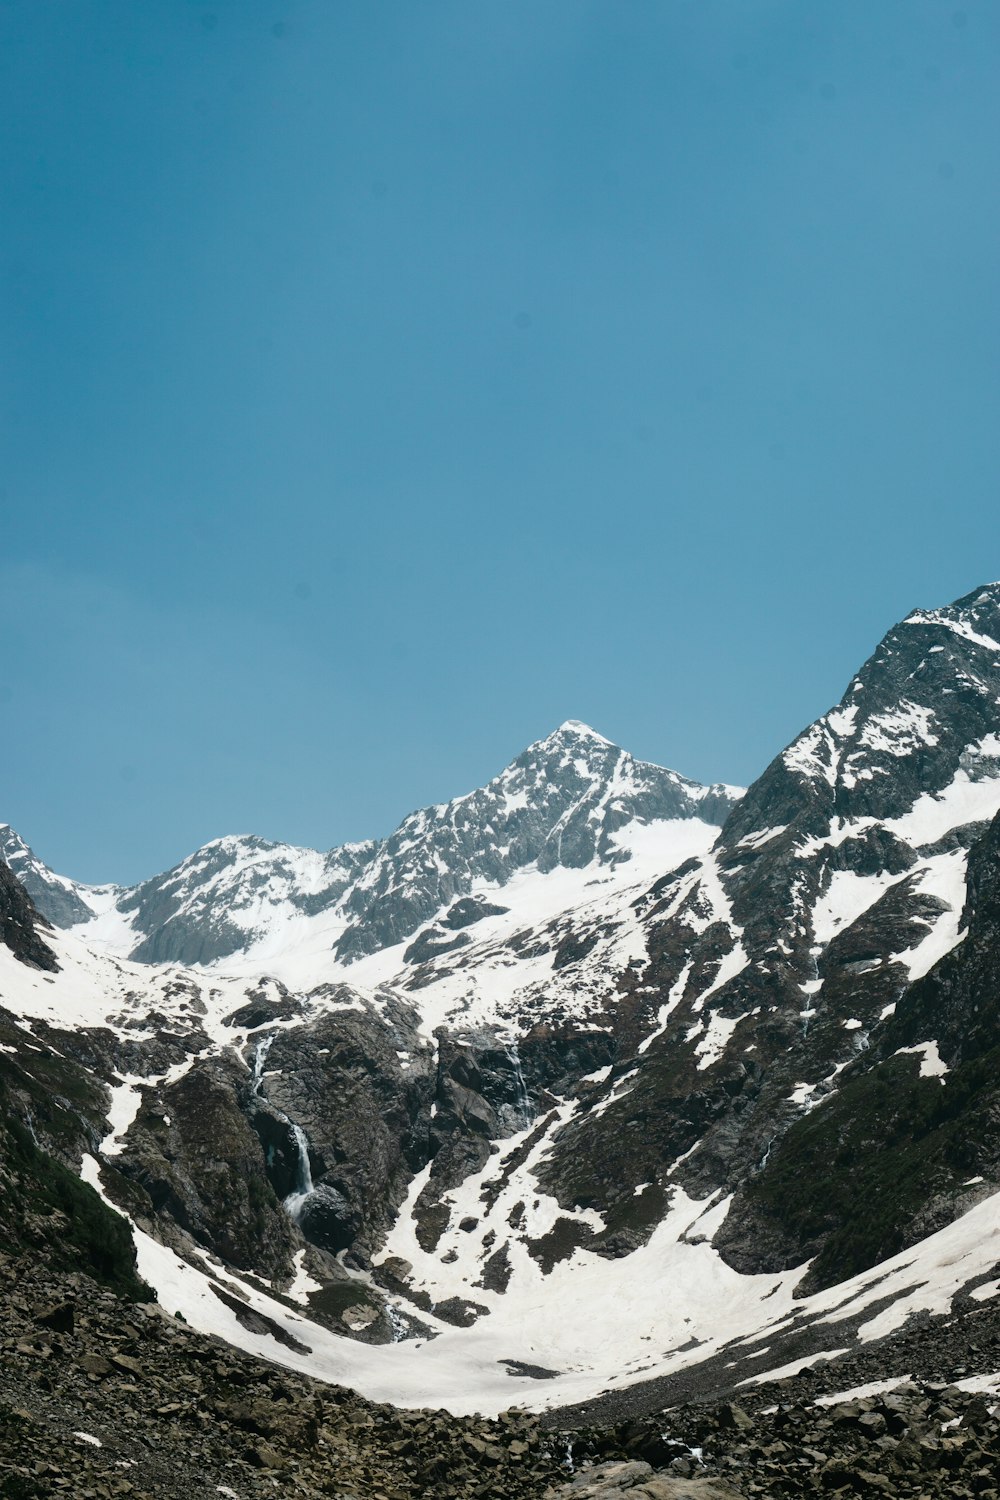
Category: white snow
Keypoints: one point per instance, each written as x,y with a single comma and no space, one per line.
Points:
860,1392
717,1033
762,837
931,1063
669,1006
963,801
811,754
845,899
793,1366
898,732
942,876
302,1282
630,1332
957,626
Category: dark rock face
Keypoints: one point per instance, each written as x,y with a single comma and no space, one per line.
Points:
328,1219
431,943
470,909
52,896
196,1159
958,1002
365,1116
51,1112
554,1057
887,1160
263,1006
19,923
776,1003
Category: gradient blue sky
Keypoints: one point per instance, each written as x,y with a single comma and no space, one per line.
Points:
383,383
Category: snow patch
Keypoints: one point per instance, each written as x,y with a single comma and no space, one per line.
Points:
931,1063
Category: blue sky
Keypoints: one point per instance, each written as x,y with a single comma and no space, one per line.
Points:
383,383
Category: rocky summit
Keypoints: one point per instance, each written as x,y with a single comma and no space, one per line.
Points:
596,1133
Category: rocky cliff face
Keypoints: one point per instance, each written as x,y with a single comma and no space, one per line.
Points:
910,1137
54,896
19,924
779,960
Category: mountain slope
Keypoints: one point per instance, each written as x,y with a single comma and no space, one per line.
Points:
837,881
57,898
909,1140
560,804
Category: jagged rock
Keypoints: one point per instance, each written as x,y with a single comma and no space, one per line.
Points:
59,1316
366,1117
896,1126
205,1169
19,923
52,896
549,807
469,909
170,1415
185,913
552,806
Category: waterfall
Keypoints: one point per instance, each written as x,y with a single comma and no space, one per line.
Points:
524,1107
261,1050
295,1201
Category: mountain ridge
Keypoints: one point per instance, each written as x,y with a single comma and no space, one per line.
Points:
384,888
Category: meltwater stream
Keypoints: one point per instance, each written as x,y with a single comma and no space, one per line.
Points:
524,1106
294,1203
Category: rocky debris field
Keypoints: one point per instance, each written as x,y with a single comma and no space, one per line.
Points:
922,1440
102,1397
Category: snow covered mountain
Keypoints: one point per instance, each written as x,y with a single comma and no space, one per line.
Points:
564,803
562,1043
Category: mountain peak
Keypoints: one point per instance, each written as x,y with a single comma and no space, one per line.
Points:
976,616
583,731
574,730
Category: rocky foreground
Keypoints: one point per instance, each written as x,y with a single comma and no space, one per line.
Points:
101,1397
